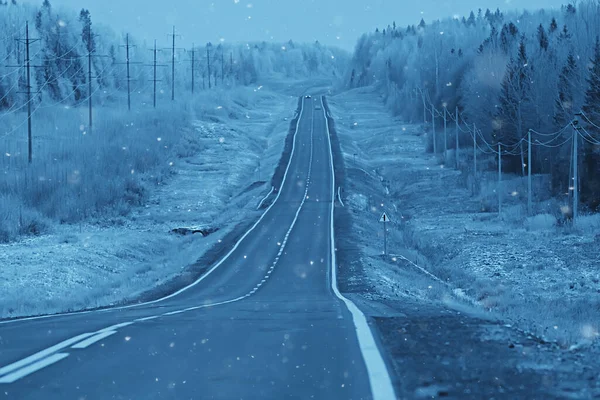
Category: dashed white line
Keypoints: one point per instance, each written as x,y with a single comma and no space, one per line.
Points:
174,312
44,353
115,327
147,318
90,341
30,369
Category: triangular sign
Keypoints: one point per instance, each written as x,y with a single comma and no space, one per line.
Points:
384,218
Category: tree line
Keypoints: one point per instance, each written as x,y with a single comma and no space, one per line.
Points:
59,58
508,73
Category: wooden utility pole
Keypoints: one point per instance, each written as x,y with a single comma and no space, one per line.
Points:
208,46
529,185
154,66
128,76
90,78
128,62
499,179
27,41
28,62
193,61
193,65
575,169
456,137
222,67
433,129
475,152
91,54
173,49
445,133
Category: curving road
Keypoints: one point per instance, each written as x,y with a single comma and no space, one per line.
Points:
266,322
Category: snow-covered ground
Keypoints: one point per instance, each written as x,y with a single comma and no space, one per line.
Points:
217,184
530,273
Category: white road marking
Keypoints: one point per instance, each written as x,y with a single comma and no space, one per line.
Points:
174,312
30,369
340,196
379,377
115,327
266,197
147,318
44,353
90,341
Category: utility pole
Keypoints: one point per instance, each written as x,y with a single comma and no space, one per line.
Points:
154,66
433,129
28,61
90,78
445,134
27,41
91,51
208,46
127,46
529,185
173,68
173,35
456,123
499,180
222,67
128,76
575,168
193,60
193,65
424,108
474,151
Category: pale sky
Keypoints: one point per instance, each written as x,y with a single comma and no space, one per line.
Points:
336,22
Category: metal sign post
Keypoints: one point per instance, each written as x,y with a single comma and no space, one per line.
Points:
385,219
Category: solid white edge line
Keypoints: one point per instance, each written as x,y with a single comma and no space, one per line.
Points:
41,354
379,377
30,369
90,341
203,276
340,196
264,198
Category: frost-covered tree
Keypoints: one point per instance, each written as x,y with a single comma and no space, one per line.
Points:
515,102
542,37
590,173
567,85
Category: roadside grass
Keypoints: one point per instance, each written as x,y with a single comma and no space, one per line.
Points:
77,174
536,273
108,255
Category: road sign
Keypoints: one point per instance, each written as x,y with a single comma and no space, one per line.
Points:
384,218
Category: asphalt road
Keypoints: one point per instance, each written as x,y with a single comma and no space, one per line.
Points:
266,322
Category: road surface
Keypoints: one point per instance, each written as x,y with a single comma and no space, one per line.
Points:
266,322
